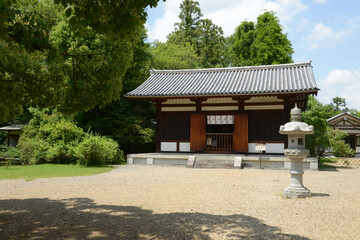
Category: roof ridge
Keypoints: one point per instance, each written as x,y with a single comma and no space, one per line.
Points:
340,114
152,71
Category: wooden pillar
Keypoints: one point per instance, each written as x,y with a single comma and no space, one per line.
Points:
158,125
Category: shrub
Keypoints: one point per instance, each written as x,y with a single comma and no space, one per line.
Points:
6,151
337,143
55,138
32,150
97,150
61,153
11,152
49,138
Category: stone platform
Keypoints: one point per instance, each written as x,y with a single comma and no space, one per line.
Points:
206,160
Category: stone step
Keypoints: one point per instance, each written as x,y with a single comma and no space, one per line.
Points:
219,165
213,162
209,162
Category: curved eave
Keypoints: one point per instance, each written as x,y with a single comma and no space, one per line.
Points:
314,92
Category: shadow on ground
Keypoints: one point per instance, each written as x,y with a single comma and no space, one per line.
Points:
328,167
81,218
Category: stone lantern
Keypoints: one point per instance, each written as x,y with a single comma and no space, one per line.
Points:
296,152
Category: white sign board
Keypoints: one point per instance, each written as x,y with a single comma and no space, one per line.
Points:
260,147
223,119
218,120
229,119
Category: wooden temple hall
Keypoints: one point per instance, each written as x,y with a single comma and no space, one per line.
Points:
226,110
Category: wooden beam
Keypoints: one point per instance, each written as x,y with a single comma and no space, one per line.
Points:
198,103
241,102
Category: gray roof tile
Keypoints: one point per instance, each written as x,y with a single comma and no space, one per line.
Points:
257,80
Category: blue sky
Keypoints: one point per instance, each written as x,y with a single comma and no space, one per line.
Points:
327,32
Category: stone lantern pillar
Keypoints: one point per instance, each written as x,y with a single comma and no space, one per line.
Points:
296,152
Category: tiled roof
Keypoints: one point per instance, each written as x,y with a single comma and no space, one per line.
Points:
232,81
342,114
13,127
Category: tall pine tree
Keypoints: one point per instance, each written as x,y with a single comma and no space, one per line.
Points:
202,34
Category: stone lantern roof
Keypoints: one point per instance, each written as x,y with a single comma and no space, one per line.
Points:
296,127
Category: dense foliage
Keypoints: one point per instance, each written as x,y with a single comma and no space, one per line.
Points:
54,138
337,143
174,56
8,151
70,55
260,43
316,115
202,35
324,137
97,151
129,122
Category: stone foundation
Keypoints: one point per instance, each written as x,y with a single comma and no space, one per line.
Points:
247,161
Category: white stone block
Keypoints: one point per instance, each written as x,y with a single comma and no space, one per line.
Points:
237,161
184,147
251,148
150,161
287,164
130,160
168,147
314,166
191,161
275,148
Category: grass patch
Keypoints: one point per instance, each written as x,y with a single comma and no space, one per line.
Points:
328,160
31,172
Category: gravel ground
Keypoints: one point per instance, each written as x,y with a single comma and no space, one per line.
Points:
143,202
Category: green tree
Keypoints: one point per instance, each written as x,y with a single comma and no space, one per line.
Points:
263,43
58,55
187,29
202,34
242,41
339,102
211,44
129,122
173,56
121,20
87,63
316,114
337,143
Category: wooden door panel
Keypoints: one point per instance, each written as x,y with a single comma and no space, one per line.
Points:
241,132
197,132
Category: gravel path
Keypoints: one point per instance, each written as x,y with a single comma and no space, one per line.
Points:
142,202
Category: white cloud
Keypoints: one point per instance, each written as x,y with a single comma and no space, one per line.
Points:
341,83
325,37
321,1
165,24
227,13
302,24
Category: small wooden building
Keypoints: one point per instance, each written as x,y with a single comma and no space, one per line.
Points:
13,133
351,125
226,110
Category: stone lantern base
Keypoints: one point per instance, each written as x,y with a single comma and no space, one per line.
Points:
296,188
296,192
